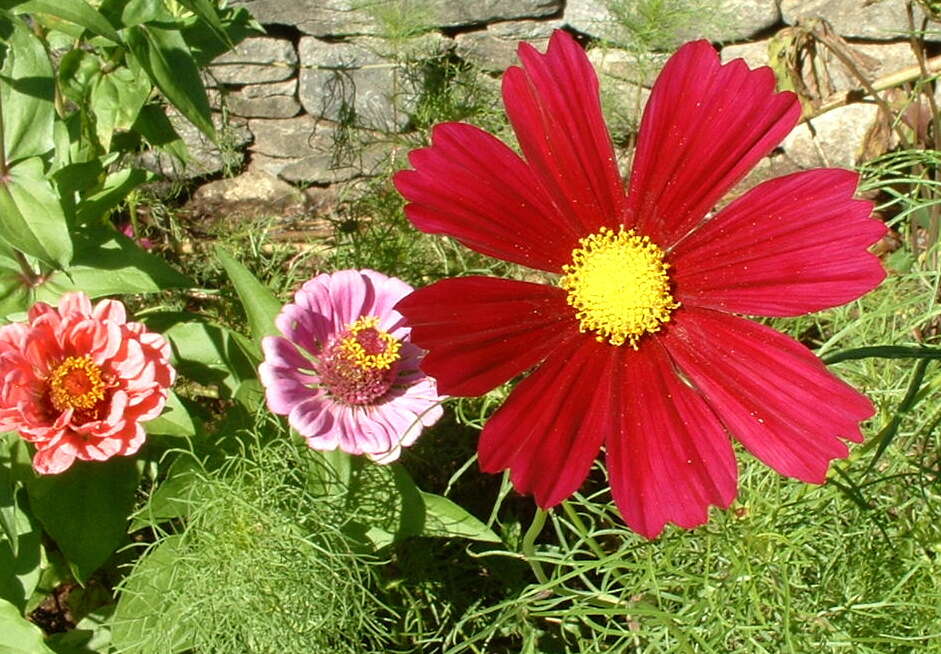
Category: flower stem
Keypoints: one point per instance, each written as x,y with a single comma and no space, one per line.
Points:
529,544
576,520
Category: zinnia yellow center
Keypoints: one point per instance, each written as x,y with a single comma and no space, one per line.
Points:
76,383
368,347
618,285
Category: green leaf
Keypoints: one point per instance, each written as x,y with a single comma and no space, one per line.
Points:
445,518
126,13
73,11
207,354
27,90
207,13
116,99
17,634
384,503
14,291
31,216
142,598
20,555
165,56
174,421
155,127
260,304
173,498
85,509
116,188
109,263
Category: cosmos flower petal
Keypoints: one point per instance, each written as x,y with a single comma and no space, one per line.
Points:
790,246
483,331
771,392
705,126
670,458
554,105
471,186
550,429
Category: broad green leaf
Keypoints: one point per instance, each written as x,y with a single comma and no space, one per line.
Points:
174,497
77,70
31,216
116,100
127,13
260,304
109,263
206,44
74,11
384,503
142,598
17,634
445,518
14,292
8,509
21,555
208,14
27,90
207,354
165,56
116,188
174,421
155,127
85,509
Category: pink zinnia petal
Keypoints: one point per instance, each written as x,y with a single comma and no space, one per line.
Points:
334,397
81,381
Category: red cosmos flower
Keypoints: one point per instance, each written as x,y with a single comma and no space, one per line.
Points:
637,347
77,381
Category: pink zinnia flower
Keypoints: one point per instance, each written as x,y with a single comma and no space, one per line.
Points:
77,381
345,372
637,346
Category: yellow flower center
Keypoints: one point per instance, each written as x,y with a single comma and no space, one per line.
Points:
618,285
368,347
76,383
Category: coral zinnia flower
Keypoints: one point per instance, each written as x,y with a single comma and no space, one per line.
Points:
77,381
345,372
637,347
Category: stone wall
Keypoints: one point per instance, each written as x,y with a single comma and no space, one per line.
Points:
325,96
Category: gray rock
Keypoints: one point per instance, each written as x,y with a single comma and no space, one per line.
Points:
354,17
206,157
252,186
256,60
303,149
625,66
733,20
873,60
838,140
755,53
361,82
872,19
494,48
276,100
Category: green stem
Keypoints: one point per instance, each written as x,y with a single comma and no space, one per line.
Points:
576,520
529,544
884,352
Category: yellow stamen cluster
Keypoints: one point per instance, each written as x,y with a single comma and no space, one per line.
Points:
354,351
618,285
76,383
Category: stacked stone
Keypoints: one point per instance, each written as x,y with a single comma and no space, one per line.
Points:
324,74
